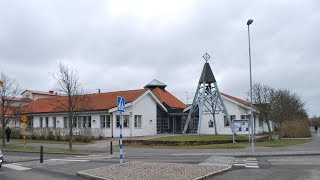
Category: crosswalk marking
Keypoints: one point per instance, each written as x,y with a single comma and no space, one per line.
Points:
247,162
72,160
15,167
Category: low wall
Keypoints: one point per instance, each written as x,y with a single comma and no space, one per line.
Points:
185,143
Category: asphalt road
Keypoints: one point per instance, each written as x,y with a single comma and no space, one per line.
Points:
277,168
57,166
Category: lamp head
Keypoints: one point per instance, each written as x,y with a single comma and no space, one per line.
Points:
249,22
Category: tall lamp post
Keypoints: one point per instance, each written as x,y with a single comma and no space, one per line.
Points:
251,114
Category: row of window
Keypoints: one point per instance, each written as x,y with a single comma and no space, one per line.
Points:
85,121
105,121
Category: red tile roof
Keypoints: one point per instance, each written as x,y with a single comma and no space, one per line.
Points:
246,103
100,101
167,98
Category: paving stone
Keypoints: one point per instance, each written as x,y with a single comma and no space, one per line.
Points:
153,170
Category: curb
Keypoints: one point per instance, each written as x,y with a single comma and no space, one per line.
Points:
214,173
251,154
89,176
271,155
48,152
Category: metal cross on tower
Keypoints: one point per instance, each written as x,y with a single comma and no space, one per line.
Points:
207,98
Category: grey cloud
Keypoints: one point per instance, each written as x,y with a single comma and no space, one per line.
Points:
127,51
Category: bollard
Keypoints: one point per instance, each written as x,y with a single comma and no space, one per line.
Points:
111,147
41,154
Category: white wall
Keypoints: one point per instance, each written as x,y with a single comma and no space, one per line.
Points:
233,109
145,106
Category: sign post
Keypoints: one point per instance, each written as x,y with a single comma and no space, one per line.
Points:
121,101
24,119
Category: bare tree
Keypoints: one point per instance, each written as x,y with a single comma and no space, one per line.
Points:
286,106
75,102
9,109
261,97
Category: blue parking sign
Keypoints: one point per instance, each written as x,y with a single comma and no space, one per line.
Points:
121,101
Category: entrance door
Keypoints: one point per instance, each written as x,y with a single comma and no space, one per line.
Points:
178,124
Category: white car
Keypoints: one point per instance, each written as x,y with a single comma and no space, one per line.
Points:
1,158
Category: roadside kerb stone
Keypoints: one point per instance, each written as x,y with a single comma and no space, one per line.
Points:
153,170
254,154
219,161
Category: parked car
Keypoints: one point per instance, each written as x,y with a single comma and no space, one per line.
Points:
1,158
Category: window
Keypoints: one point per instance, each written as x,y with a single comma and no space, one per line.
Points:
74,121
247,117
232,117
125,120
260,122
105,121
89,122
137,121
210,124
65,122
54,119
30,122
41,119
83,122
47,121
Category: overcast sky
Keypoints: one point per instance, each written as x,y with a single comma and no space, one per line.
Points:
120,45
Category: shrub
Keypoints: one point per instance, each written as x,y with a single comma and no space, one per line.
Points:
98,133
84,135
15,133
50,135
296,129
58,134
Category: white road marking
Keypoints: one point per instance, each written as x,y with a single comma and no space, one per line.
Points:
239,164
248,163
71,160
252,166
15,167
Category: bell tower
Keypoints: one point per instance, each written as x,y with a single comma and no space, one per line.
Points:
207,98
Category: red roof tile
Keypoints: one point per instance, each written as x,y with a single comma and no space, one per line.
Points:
100,101
165,97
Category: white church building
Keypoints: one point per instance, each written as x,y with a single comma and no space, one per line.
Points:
148,111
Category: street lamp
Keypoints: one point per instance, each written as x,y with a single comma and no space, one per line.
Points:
251,114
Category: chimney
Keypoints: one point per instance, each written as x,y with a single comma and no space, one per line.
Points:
51,92
99,91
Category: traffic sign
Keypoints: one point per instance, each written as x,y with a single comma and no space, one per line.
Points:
23,125
24,119
121,101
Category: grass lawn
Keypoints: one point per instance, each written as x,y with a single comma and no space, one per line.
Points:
49,141
210,146
195,137
37,149
282,142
